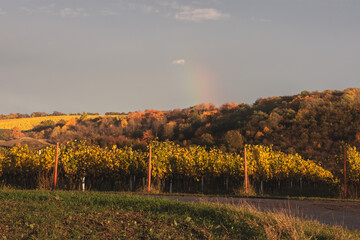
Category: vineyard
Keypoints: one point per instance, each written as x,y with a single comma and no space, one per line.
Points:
174,168
29,123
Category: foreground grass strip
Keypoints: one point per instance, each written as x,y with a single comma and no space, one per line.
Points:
76,215
246,196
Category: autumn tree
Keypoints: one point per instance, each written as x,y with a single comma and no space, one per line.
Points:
15,133
233,140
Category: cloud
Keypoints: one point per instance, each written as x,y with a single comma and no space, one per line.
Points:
143,7
2,12
200,14
42,9
108,13
179,62
264,20
173,5
69,12
28,10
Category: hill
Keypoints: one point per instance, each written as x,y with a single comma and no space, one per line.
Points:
26,124
30,123
313,124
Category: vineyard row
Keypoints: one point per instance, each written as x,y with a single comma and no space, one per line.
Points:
21,166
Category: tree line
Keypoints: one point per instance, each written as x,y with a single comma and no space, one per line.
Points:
313,124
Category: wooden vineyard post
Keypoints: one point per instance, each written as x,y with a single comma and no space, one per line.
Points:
170,190
345,180
149,172
56,164
227,183
245,172
130,187
83,184
202,183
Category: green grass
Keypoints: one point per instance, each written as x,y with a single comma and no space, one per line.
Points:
94,215
255,196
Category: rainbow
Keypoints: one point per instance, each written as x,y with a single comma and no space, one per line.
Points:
200,84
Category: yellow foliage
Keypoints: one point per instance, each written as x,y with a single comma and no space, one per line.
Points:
124,123
29,123
71,122
77,159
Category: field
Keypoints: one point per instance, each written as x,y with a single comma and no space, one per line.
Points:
29,123
94,215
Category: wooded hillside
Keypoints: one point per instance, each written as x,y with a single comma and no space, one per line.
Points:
313,124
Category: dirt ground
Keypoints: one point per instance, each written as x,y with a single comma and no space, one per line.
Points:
345,214
31,142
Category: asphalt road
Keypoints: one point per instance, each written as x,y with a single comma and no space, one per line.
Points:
345,214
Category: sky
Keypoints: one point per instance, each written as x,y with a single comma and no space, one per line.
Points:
128,55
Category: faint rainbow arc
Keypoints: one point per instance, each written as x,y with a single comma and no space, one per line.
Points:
200,84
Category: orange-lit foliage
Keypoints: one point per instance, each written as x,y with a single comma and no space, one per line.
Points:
71,122
16,132
136,115
228,106
154,114
123,123
148,136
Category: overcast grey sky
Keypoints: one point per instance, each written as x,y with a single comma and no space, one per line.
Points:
128,55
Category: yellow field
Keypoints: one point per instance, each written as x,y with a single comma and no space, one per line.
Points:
29,123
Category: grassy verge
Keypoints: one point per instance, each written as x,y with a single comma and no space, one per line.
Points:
256,196
75,215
